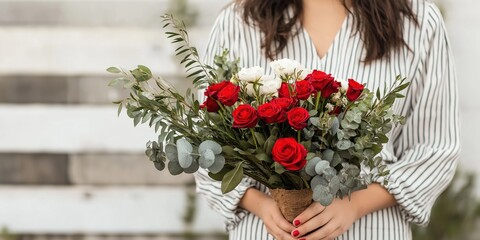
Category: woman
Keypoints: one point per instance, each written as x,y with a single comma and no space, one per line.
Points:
371,41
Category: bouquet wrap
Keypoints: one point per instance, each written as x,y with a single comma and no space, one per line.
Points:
292,202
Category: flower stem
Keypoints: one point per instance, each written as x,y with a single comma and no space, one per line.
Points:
253,136
319,95
299,134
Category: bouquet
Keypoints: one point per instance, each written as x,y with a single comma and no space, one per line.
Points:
302,133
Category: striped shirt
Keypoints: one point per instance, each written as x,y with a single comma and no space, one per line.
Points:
421,155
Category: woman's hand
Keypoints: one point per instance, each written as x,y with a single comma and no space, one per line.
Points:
325,223
319,222
264,207
274,221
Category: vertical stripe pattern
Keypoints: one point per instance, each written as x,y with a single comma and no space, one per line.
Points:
421,155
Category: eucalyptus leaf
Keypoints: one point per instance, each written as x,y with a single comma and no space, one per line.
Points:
337,159
192,169
184,149
329,173
218,164
207,158
321,166
174,168
322,195
212,145
327,154
318,180
344,144
334,185
315,121
171,152
335,126
159,165
311,164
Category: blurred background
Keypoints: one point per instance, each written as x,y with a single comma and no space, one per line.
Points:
70,169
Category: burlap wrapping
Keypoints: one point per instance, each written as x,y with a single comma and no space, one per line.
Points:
292,202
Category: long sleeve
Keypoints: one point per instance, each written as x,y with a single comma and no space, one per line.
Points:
225,204
428,145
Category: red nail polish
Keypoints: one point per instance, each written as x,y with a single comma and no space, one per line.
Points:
301,239
295,233
296,222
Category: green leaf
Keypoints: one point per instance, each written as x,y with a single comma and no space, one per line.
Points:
263,157
221,174
279,169
269,144
113,70
260,138
120,107
231,180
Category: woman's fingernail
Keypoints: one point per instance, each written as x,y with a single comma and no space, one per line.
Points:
296,222
301,239
295,233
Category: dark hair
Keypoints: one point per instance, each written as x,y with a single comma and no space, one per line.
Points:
380,23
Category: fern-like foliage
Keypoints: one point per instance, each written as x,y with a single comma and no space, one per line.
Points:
202,74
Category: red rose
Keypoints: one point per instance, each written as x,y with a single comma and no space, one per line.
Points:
298,117
284,103
245,116
319,79
229,94
324,83
304,89
354,90
337,110
210,104
271,113
212,90
330,89
284,91
290,154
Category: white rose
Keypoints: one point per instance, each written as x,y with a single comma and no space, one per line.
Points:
250,74
329,107
271,84
344,84
285,66
336,97
304,74
250,90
